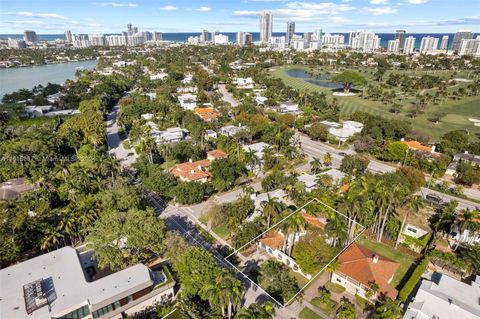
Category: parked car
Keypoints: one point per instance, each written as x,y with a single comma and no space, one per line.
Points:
434,200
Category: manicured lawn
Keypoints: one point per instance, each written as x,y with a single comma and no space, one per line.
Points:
333,287
333,305
175,315
222,231
306,313
362,303
404,260
457,111
302,281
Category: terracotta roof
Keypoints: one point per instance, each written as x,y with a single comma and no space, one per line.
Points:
207,113
344,188
191,171
312,220
416,145
357,262
272,239
216,154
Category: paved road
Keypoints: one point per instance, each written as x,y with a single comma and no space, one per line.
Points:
226,96
126,156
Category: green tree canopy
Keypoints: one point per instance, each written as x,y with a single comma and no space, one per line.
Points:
348,79
122,239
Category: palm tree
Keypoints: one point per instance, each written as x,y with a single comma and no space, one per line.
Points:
467,221
332,267
389,309
291,227
346,310
226,293
51,238
315,166
256,311
271,208
415,204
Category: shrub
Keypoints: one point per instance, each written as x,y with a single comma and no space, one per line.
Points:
413,280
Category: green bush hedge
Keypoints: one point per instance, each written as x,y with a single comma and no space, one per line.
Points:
413,280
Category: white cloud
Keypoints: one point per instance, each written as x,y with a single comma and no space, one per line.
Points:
417,1
301,11
36,15
168,8
377,11
378,1
203,9
114,4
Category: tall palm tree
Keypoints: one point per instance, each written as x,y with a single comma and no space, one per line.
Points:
291,227
414,204
225,292
256,311
333,266
271,208
316,165
467,221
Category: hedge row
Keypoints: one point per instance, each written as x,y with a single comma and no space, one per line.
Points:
413,280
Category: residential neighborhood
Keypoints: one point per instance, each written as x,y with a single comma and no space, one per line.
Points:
210,180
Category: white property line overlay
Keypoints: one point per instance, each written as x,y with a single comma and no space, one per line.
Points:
321,270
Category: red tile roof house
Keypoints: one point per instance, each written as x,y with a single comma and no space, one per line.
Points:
273,241
192,171
196,171
360,267
216,154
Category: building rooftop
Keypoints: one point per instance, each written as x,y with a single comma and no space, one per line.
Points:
445,297
12,188
216,154
66,287
416,145
272,239
191,171
257,148
364,266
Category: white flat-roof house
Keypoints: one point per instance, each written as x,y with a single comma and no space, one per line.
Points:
310,181
279,195
170,135
289,107
413,231
210,135
159,76
188,101
231,130
187,79
187,89
60,284
260,100
462,157
244,83
445,297
348,129
257,148
56,97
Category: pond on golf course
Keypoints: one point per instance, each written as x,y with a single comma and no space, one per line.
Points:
322,80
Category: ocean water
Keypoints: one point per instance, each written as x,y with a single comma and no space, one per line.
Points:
182,37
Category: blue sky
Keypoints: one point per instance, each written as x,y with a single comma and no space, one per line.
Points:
84,16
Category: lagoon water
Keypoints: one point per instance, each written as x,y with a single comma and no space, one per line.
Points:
322,80
14,79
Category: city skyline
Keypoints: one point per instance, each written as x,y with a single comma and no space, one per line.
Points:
416,16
